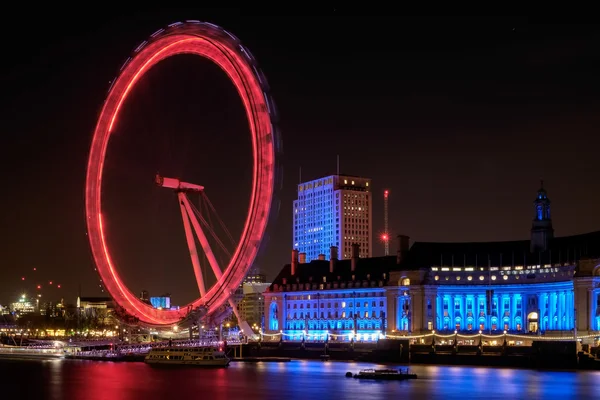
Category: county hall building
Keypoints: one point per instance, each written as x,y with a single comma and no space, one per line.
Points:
545,285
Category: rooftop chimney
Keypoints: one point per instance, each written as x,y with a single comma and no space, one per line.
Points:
355,253
302,258
294,261
403,246
333,255
322,257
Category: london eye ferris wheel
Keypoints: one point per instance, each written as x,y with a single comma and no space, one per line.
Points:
225,50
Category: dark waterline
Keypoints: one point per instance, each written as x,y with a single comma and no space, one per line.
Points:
73,379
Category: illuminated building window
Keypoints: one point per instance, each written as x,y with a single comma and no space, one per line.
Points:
481,277
343,304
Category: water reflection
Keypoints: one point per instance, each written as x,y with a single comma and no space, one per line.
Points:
294,380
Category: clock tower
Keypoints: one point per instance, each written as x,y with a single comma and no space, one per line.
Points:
541,228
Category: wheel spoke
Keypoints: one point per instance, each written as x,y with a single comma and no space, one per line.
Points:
191,243
202,237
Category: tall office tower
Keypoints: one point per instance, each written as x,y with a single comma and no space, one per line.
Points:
333,211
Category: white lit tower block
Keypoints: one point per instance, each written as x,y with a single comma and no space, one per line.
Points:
335,210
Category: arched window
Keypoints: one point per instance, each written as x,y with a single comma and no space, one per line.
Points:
404,282
273,321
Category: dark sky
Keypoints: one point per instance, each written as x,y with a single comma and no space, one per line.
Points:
458,117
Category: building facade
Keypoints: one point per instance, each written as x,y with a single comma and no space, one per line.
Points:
249,300
252,305
333,211
544,285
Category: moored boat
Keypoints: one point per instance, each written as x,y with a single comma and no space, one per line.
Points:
192,356
383,374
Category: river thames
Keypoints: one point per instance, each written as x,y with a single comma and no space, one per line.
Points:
75,379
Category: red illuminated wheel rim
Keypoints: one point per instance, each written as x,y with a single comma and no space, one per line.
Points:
214,43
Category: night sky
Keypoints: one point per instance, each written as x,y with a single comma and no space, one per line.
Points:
459,118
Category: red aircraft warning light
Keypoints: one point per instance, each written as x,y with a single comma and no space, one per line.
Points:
23,278
39,286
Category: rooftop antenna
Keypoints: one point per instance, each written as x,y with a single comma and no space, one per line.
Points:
338,164
386,234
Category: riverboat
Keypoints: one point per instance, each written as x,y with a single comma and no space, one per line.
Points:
192,356
383,374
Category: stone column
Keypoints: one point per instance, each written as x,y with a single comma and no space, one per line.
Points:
440,313
463,311
570,309
391,298
540,298
561,321
452,311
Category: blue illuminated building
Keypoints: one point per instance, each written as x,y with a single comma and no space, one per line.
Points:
335,299
332,211
162,302
543,286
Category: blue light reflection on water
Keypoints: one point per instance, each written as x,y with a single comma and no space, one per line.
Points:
66,379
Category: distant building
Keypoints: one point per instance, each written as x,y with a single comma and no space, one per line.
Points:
335,211
252,305
99,309
161,302
23,306
248,297
545,285
95,302
145,296
53,309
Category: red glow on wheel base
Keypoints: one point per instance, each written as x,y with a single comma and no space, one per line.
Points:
219,46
